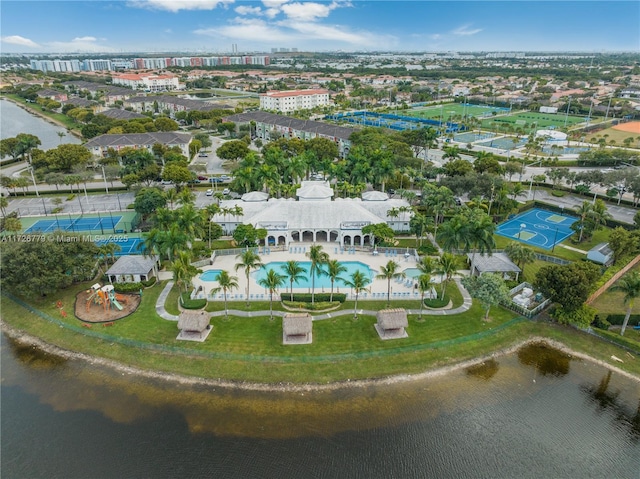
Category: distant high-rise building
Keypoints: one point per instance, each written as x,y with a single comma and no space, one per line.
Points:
234,48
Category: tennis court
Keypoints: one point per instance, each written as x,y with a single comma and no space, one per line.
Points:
128,245
504,143
538,227
79,224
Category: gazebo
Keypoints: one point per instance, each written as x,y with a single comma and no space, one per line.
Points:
391,323
297,328
498,263
193,325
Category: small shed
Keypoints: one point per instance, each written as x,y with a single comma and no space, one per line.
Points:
193,325
601,254
498,263
133,268
391,323
297,328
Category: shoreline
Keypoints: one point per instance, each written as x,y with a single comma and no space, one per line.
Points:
30,340
43,116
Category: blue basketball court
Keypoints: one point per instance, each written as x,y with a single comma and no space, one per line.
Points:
80,224
538,227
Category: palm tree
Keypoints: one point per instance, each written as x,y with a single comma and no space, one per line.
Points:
453,234
390,271
4,202
358,283
183,270
294,272
480,232
447,266
334,268
424,285
426,265
226,282
272,281
630,286
583,211
318,258
171,195
211,210
520,254
249,261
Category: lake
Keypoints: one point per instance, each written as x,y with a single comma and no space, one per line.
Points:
15,120
537,413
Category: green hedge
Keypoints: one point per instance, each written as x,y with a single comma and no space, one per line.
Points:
317,306
187,303
437,302
318,297
148,283
127,287
618,319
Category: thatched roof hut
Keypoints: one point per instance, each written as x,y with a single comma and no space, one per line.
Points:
391,323
193,324
297,328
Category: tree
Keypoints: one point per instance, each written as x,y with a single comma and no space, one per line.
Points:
381,232
624,243
148,200
317,258
520,254
334,269
183,270
176,173
390,271
4,203
65,157
358,283
233,150
630,286
272,281
424,285
247,235
12,224
166,124
248,260
447,267
568,285
488,288
294,272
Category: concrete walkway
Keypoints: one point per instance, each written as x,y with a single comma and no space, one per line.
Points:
466,304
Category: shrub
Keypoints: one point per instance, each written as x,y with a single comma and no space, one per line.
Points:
187,303
558,194
71,197
427,249
437,302
57,210
318,305
600,323
148,283
618,319
319,297
131,206
127,287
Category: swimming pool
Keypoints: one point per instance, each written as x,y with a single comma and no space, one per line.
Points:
210,275
412,272
321,281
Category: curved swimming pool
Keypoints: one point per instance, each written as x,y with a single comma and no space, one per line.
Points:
210,275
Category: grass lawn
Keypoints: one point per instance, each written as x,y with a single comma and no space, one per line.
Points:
611,302
618,135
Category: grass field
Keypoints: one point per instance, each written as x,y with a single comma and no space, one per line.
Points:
617,135
451,109
527,120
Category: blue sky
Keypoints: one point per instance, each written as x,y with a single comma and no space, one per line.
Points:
212,26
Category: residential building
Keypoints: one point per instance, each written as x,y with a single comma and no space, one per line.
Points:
100,144
293,100
172,104
150,82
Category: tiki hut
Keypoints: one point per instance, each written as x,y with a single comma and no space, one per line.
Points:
297,328
193,325
391,323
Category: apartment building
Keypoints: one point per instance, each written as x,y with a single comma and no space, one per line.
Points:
150,82
101,144
292,100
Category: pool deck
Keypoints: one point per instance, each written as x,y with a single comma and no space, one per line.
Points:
377,288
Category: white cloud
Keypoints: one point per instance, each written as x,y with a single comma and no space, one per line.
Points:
18,40
248,31
308,11
78,44
271,12
464,30
274,3
177,5
244,10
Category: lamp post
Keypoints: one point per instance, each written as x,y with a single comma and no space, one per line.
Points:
106,187
34,181
566,116
555,237
531,182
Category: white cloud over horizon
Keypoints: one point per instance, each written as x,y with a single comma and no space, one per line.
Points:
465,31
177,5
18,40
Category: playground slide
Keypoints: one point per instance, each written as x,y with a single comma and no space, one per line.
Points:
114,301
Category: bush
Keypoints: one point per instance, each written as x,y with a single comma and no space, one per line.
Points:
427,249
600,323
127,287
618,319
437,302
187,303
131,206
148,283
558,194
71,197
317,306
319,297
57,210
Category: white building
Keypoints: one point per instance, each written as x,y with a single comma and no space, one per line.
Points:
315,216
96,65
552,137
149,82
293,100
100,145
56,65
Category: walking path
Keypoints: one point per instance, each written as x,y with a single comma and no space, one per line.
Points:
466,304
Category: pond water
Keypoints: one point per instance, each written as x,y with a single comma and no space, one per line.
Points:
535,414
14,120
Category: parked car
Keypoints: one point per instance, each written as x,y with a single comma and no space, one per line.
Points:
226,191
209,192
203,155
216,179
202,178
167,182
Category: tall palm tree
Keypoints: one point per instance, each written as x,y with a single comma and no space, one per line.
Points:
226,282
390,271
317,258
172,196
424,285
190,221
249,261
294,272
183,270
453,234
583,211
358,283
480,231
333,271
447,267
426,265
272,281
520,254
630,286
210,211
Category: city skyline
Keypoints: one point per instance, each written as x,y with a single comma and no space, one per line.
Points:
213,26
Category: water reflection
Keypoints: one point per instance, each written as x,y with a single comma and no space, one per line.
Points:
546,360
485,370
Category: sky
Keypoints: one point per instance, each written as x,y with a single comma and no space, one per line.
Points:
212,26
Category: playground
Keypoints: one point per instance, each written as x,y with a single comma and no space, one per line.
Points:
101,304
